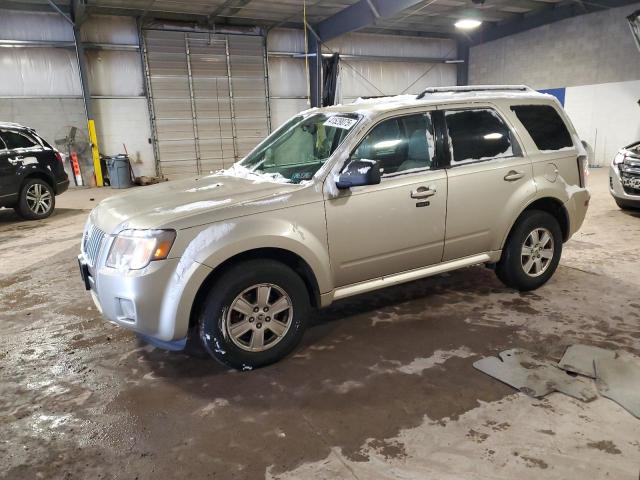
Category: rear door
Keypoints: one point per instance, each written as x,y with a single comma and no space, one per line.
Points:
7,174
23,155
489,180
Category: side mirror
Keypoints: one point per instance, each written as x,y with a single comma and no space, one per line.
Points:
358,173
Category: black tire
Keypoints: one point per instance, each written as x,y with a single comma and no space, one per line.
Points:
510,268
212,321
25,207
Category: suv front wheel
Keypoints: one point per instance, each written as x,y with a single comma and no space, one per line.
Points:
532,252
254,314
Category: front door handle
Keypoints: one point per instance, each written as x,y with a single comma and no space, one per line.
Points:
513,175
423,192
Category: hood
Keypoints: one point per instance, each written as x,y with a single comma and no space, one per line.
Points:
185,203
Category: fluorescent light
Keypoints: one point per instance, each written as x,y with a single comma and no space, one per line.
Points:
467,23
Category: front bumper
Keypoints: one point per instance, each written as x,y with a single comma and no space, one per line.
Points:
152,301
618,192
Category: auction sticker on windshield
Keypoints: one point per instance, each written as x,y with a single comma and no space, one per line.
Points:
340,122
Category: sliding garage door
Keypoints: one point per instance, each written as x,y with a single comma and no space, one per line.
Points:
208,99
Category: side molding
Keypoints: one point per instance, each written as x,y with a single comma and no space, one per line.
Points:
383,282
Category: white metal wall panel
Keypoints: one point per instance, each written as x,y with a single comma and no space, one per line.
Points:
209,99
373,78
358,76
125,122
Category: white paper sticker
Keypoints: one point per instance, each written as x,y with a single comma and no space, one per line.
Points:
340,122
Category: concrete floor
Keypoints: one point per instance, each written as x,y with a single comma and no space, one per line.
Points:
382,387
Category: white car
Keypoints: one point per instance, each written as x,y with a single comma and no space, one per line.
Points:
624,177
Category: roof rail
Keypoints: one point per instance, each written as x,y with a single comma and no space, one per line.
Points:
475,88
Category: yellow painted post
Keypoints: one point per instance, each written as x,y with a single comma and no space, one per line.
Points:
93,138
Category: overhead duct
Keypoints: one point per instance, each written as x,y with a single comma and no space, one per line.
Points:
179,26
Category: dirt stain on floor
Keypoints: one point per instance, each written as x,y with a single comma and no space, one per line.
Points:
606,446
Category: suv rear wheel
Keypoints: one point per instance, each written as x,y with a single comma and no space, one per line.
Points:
254,315
532,252
37,200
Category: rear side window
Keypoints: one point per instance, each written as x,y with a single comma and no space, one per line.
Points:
16,140
545,126
478,134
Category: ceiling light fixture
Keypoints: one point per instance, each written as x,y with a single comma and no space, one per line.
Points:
467,24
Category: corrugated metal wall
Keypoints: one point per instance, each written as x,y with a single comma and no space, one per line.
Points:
40,86
209,99
361,74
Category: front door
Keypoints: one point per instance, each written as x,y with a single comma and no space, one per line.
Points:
490,181
397,225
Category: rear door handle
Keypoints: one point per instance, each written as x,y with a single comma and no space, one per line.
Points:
513,175
423,192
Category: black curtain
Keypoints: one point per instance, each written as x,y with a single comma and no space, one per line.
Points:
329,79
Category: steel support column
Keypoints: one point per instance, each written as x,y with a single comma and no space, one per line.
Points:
86,95
78,15
462,67
315,71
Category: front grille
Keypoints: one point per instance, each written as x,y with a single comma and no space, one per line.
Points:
91,243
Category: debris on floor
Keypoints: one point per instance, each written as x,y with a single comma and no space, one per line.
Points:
618,379
616,374
579,359
533,377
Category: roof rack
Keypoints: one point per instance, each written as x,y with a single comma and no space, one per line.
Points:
475,88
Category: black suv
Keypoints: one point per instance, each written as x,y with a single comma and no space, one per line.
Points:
31,172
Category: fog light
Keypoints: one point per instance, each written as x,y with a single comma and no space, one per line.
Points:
127,309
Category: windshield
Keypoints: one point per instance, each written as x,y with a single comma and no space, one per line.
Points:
297,150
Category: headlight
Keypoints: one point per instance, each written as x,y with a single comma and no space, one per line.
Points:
134,249
618,159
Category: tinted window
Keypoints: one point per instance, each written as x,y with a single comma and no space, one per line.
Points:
545,126
400,144
477,135
16,140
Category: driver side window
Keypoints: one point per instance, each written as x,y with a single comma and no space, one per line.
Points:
400,144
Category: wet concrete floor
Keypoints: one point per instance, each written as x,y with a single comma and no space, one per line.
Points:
381,387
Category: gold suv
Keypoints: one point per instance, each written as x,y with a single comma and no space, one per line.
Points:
336,202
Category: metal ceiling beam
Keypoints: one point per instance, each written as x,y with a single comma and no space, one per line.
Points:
362,14
30,7
544,16
78,11
234,5
57,9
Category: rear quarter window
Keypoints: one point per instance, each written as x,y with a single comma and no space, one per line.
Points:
544,124
477,135
15,140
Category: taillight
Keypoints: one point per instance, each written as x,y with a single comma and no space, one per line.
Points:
583,170
59,157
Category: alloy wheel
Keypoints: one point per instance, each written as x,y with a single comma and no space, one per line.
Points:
39,199
537,252
259,317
